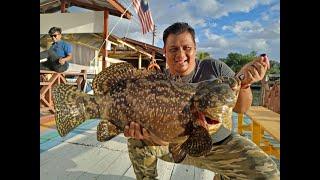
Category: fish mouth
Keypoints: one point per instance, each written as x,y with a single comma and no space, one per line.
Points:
205,120
212,117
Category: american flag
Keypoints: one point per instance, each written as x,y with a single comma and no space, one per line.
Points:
144,13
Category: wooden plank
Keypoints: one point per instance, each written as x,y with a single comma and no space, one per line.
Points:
62,151
256,133
51,143
240,123
182,171
203,174
47,72
268,119
94,165
46,118
73,73
58,167
54,146
91,163
129,174
120,8
44,83
43,109
164,169
53,138
95,171
117,169
47,125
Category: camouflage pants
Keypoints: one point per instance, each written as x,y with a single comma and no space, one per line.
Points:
236,157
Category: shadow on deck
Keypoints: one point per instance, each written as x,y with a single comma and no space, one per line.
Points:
80,156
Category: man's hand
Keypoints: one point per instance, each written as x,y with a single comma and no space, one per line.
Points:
254,71
134,131
62,61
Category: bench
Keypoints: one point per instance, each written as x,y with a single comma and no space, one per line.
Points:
263,120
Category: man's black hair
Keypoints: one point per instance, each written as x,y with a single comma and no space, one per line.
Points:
178,28
54,29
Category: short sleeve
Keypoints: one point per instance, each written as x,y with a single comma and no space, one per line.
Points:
222,69
67,48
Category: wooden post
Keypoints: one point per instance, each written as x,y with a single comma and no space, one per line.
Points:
96,62
140,61
84,82
240,121
105,34
153,55
256,133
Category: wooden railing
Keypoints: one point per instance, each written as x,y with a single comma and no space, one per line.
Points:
270,96
50,78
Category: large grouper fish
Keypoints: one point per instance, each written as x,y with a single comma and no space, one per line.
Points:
183,114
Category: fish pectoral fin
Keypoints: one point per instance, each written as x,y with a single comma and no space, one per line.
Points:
106,131
178,154
199,143
180,140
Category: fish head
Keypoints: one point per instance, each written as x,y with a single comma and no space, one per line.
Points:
214,100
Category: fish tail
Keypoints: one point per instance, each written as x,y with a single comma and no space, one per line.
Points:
72,107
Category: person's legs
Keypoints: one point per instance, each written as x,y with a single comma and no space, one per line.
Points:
44,54
237,158
144,158
60,68
45,66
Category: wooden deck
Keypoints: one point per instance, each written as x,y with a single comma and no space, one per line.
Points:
80,156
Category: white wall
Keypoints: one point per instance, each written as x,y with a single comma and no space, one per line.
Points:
88,22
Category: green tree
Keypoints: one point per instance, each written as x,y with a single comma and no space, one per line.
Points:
236,60
274,67
201,55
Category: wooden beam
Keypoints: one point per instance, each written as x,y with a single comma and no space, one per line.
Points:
153,54
87,5
48,3
134,48
139,62
105,34
120,8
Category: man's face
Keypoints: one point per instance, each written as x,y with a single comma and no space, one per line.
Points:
56,36
180,52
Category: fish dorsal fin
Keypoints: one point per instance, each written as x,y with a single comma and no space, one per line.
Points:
110,76
178,154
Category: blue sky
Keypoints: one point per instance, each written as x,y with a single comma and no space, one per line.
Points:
222,26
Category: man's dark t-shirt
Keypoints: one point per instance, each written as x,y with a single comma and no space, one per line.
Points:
210,69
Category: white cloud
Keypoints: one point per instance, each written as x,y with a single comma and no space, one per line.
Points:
265,1
219,46
275,7
244,27
215,39
265,16
254,30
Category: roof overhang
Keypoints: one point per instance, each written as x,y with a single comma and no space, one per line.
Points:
113,6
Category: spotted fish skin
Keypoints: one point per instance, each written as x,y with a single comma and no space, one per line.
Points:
167,108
